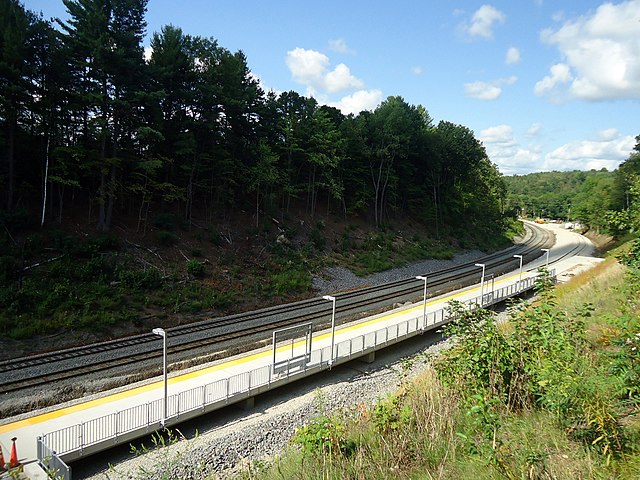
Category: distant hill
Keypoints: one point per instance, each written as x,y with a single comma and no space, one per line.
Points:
575,195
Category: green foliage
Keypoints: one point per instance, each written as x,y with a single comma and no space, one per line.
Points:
324,436
631,257
482,359
166,460
381,251
283,148
290,281
195,267
318,237
140,280
167,239
169,222
391,414
530,398
16,220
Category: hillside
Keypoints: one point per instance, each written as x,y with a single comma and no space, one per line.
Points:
576,195
552,392
69,284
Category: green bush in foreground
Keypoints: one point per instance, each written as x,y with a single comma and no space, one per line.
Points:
530,398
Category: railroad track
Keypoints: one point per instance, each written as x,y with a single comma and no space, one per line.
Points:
46,368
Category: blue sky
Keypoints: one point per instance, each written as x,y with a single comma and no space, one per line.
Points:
545,85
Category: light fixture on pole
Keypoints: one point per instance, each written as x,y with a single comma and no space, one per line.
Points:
424,309
520,277
333,325
546,263
481,283
161,333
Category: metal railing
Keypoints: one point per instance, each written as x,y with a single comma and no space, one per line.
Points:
142,419
51,462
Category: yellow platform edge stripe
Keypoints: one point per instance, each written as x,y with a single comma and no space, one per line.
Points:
197,373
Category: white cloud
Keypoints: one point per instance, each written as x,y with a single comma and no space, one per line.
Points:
504,150
607,150
498,135
601,53
341,79
358,101
148,51
311,68
308,67
534,130
482,91
338,45
560,74
483,21
513,56
417,70
487,90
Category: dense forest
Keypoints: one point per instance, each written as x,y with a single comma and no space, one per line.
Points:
88,121
138,187
606,201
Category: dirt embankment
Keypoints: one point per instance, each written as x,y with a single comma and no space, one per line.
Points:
602,242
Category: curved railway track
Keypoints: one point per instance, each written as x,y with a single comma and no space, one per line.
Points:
45,368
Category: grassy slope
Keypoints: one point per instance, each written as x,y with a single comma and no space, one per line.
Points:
90,287
563,403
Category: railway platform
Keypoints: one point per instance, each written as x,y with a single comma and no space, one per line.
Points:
73,431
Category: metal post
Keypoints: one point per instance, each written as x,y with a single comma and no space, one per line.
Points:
520,277
424,296
481,283
546,263
161,333
333,325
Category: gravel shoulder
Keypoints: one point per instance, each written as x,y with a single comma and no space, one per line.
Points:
221,444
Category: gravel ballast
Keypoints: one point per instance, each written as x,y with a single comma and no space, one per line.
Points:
229,440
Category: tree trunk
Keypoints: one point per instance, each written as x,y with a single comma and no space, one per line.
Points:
11,160
46,180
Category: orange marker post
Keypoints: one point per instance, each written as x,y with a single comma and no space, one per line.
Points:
13,458
2,462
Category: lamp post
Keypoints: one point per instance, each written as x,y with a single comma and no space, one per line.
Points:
546,263
161,333
481,283
424,308
520,277
333,325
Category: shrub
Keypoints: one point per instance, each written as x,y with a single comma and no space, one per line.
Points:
318,238
324,436
290,281
140,279
391,414
195,268
167,239
8,269
169,221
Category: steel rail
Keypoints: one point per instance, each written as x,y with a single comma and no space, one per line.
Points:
265,320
